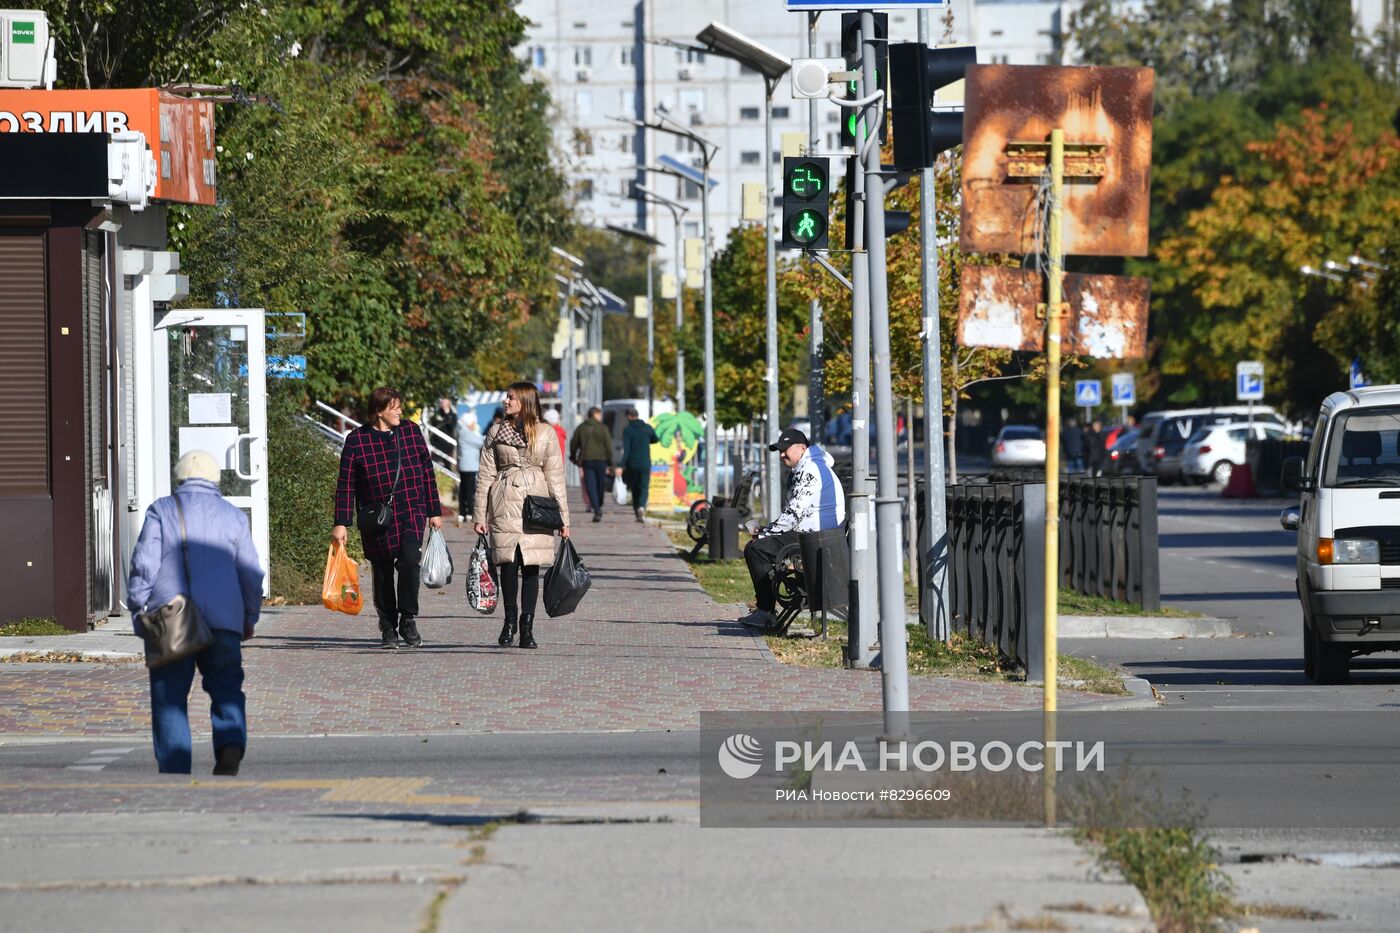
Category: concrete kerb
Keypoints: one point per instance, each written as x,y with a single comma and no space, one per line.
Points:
1072,626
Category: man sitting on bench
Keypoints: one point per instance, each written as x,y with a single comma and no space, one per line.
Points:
815,501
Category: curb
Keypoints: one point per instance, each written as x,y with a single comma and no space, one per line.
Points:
1071,626
1140,696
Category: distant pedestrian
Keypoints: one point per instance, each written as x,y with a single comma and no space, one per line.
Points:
444,419
591,449
521,458
551,418
1093,448
469,442
1072,446
386,462
636,460
196,528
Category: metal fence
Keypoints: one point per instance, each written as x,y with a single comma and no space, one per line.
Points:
1108,535
996,568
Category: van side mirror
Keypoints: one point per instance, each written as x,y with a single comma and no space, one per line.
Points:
1291,478
1289,519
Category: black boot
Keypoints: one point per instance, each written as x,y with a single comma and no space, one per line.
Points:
227,759
408,630
527,630
388,633
507,631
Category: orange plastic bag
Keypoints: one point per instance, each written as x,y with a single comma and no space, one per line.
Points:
340,589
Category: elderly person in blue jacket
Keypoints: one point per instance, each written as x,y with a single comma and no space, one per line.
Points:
226,586
469,443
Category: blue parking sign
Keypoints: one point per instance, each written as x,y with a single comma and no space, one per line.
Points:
1124,389
1088,393
1249,381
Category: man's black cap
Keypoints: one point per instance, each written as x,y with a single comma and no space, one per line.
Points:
788,438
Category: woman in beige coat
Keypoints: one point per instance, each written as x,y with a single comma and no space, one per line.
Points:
520,458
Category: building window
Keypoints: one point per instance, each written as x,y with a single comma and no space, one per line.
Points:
626,58
692,229
694,57
833,49
748,113
746,70
690,191
583,103
583,56
626,101
583,143
833,141
625,144
580,25
750,158
833,116
585,189
781,113
691,100
777,157
537,58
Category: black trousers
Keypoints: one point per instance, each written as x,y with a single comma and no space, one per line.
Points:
638,480
528,576
595,474
466,492
395,597
761,554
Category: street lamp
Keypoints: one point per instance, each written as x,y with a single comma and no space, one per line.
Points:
664,124
678,211
652,242
719,39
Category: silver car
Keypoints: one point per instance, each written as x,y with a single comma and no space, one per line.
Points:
1019,445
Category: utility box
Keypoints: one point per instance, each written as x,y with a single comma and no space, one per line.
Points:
24,51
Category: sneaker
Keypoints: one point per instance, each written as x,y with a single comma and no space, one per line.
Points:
759,618
227,759
597,516
639,513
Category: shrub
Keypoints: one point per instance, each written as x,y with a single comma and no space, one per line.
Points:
302,468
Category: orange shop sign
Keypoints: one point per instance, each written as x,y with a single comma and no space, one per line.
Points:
179,130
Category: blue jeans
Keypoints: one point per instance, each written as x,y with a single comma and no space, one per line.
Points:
595,474
221,668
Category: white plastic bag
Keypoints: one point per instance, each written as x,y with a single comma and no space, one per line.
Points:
436,568
620,494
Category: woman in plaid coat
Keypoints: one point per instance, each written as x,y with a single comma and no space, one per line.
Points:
374,454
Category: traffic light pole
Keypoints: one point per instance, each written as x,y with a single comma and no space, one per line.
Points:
933,541
894,671
816,366
771,501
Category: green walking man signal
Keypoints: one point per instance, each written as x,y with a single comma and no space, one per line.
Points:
806,202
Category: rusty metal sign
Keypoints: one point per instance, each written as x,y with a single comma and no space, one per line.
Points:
1106,114
1002,307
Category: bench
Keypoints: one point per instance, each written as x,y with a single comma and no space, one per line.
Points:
812,573
697,520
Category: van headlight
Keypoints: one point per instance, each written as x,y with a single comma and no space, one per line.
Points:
1355,551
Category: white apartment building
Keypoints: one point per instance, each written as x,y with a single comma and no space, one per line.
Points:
606,59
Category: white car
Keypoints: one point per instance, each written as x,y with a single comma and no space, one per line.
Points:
1215,450
1019,445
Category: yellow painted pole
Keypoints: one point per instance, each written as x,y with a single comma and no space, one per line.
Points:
1052,453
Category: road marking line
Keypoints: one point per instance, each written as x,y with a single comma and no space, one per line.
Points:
1227,563
86,767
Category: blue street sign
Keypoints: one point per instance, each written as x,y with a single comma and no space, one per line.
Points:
1357,379
1088,393
287,367
1249,381
1124,389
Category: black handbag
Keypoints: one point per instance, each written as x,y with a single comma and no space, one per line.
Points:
176,630
541,515
372,519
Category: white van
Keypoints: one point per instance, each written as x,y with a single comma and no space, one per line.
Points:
1348,524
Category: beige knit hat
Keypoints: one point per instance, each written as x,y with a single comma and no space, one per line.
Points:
197,464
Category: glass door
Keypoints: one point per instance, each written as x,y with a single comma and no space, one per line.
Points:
217,402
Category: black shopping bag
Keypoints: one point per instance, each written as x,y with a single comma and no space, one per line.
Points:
565,582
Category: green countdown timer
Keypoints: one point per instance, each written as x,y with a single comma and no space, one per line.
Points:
806,226
807,180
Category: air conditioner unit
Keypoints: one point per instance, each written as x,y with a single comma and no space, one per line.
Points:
582,74
683,75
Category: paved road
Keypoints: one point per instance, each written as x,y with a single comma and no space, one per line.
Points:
1229,558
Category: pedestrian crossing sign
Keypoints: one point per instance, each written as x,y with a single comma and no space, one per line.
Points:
1088,393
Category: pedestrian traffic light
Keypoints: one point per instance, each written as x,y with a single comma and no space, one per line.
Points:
851,52
895,221
806,202
916,72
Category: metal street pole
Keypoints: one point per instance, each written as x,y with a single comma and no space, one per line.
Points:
816,372
1055,298
680,318
709,336
864,605
568,369
771,492
651,336
934,540
894,670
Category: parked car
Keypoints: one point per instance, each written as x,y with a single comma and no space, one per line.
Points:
1121,458
1212,453
1019,445
1348,524
1160,453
